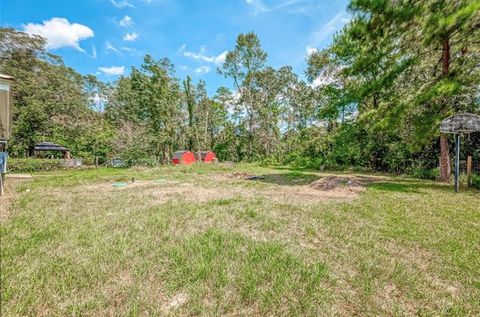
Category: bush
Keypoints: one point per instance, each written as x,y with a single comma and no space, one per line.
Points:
145,162
268,161
19,165
424,173
476,181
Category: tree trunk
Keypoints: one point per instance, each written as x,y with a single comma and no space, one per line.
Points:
192,137
446,56
31,150
445,165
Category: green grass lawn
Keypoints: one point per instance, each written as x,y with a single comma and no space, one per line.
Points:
189,241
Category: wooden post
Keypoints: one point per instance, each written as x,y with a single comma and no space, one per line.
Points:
469,170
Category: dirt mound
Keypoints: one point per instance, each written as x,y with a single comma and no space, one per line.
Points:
332,182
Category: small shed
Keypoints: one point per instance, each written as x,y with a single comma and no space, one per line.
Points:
183,157
206,156
52,147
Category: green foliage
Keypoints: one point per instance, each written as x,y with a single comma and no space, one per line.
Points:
376,97
50,100
28,165
403,67
476,181
424,173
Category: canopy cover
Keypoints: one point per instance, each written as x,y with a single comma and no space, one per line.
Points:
49,146
461,123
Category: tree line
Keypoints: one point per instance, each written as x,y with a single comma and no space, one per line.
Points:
374,98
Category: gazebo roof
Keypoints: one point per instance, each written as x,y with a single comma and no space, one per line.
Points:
49,146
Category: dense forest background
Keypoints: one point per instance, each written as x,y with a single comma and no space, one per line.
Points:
373,99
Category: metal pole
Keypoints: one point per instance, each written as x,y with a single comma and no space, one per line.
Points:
3,157
2,188
469,170
457,161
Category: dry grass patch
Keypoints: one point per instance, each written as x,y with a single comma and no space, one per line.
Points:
10,194
197,243
228,187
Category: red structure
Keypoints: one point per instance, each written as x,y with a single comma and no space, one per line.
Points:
206,156
183,157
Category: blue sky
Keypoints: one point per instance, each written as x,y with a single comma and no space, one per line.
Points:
108,37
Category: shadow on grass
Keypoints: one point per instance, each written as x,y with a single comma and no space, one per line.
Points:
306,178
376,182
289,179
410,186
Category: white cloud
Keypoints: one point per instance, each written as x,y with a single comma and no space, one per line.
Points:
327,77
122,4
260,7
59,32
130,37
98,102
131,51
257,5
97,99
126,21
321,81
94,52
304,7
112,48
202,70
182,48
113,70
327,29
201,56
310,50
220,59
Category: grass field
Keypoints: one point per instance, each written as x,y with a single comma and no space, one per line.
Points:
189,241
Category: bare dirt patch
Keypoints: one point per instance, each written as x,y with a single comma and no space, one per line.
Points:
276,188
242,175
177,301
334,182
169,190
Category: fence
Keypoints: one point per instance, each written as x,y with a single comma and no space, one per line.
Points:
71,163
475,166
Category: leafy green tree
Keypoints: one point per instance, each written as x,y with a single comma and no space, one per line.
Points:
386,64
157,102
190,100
241,64
49,99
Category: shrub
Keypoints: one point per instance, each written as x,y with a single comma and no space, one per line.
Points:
27,165
424,173
268,161
476,181
145,162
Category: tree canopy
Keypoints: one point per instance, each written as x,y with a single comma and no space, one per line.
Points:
374,98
